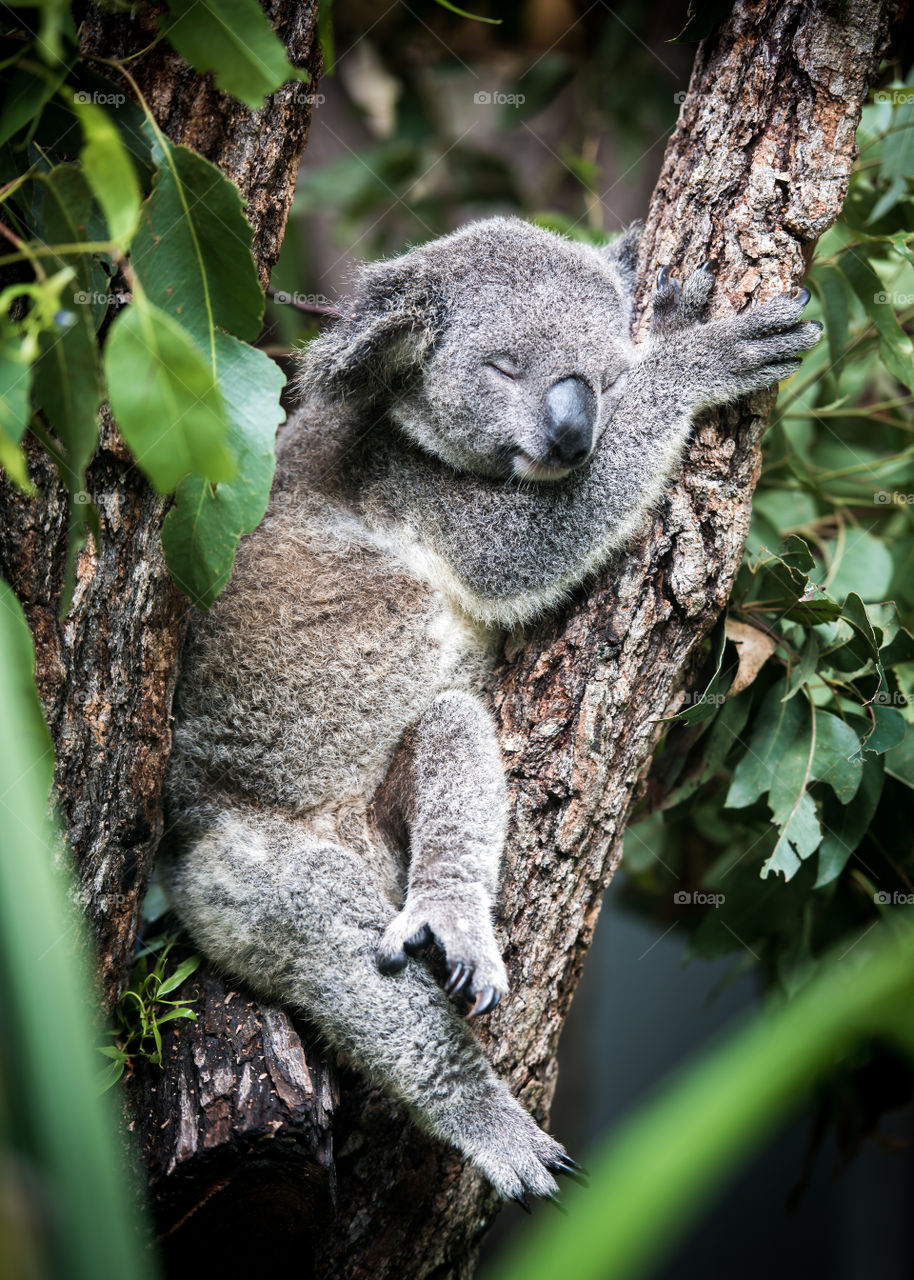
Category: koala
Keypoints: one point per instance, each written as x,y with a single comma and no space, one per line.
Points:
476,434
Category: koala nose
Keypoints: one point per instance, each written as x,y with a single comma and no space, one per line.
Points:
570,412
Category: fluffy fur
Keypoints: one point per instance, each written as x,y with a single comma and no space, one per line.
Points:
423,504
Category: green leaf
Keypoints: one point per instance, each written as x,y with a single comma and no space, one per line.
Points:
165,398
66,209
776,727
192,253
177,1013
109,171
715,747
26,95
835,294
800,837
894,345
836,759
844,826
865,567
899,762
706,706
15,384
805,669
202,530
889,728
68,388
234,39
174,980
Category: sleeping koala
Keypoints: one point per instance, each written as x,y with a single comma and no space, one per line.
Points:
477,434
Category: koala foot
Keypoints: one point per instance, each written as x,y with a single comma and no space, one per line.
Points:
458,922
514,1153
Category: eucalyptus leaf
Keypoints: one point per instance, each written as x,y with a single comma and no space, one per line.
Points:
203,529
165,398
192,253
234,39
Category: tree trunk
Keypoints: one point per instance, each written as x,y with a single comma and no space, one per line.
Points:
235,1130
106,673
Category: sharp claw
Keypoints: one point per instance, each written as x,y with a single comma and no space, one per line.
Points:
419,939
392,964
711,266
556,1203
576,1172
522,1201
459,974
663,276
486,999
803,296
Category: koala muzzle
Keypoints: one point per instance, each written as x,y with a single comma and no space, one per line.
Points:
569,412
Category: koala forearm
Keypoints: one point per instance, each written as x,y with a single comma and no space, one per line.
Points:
455,798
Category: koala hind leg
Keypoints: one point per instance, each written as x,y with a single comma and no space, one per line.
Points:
448,788
300,918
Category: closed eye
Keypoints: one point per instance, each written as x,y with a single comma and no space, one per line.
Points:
504,365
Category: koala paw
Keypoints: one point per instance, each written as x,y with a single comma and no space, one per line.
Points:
674,307
515,1154
459,923
763,345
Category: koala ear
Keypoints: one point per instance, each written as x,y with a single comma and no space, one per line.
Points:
387,326
623,254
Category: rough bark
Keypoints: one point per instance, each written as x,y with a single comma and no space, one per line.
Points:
106,672
235,1129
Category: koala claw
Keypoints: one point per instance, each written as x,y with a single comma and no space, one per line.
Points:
486,1000
460,974
663,276
522,1201
710,266
421,938
803,295
576,1172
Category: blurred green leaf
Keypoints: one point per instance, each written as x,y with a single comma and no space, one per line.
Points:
165,398
109,171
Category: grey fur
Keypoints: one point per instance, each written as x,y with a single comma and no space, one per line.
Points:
418,512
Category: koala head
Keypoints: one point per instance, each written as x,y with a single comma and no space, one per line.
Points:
500,349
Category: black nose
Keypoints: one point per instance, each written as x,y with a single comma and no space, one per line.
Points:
569,411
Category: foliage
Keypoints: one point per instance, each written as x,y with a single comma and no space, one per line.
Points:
101,210
798,760
662,1165
143,1010
69,1161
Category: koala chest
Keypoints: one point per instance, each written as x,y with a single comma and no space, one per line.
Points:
324,649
